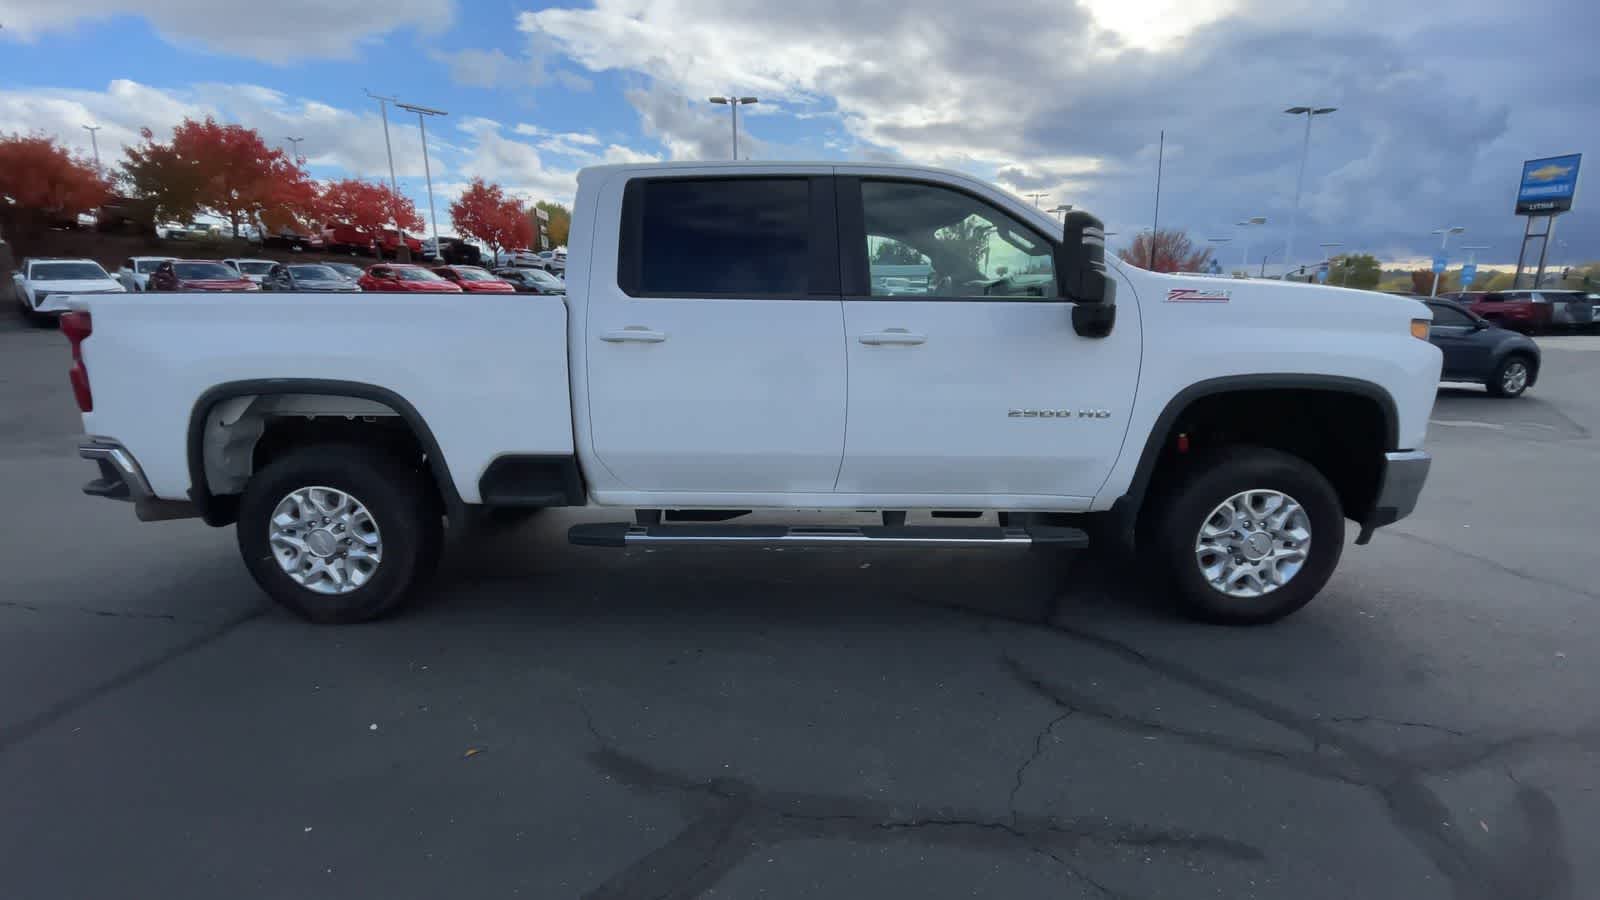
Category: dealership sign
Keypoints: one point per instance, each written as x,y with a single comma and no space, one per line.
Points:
1548,185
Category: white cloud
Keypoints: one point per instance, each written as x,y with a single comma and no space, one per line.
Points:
521,169
489,68
279,32
1069,97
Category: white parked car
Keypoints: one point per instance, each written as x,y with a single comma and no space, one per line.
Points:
723,349
43,286
135,271
518,256
255,270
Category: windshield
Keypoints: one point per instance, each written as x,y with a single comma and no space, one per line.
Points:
249,267
540,276
468,273
146,266
67,271
314,273
204,271
413,273
346,270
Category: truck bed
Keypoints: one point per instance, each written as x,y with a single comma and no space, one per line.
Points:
488,374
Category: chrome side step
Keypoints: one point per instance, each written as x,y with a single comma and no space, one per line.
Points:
627,534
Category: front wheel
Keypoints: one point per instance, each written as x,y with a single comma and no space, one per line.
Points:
1511,377
1250,536
339,534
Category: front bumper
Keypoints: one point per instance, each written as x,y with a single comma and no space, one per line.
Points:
1404,472
122,479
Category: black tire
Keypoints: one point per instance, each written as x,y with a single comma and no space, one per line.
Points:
1210,481
401,501
1497,381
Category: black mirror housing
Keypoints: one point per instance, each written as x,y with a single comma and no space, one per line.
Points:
1081,272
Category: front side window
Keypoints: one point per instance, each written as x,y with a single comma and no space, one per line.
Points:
933,241
468,273
1449,315
728,237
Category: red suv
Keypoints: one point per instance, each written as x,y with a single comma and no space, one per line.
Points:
1535,311
198,275
474,280
407,278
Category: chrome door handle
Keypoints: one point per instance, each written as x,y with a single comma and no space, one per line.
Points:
893,336
637,334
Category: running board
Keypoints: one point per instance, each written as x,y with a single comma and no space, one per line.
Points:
627,534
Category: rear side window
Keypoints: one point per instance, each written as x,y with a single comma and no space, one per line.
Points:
759,238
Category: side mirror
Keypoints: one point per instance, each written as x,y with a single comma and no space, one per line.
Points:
1081,274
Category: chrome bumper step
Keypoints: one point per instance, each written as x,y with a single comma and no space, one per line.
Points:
627,534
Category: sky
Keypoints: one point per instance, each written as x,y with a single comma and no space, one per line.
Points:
1437,105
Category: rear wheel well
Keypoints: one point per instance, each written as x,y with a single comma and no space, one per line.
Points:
1342,434
242,435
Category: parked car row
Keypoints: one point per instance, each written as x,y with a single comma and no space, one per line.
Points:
42,286
1531,311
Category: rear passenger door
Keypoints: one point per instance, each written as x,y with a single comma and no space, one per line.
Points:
715,343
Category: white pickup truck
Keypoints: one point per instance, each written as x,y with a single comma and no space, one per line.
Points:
722,348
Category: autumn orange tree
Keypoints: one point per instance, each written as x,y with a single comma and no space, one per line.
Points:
41,182
486,213
225,170
1167,250
367,205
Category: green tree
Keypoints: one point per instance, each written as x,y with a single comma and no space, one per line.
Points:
1360,270
560,222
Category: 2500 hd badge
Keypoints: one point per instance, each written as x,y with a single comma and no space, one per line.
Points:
1058,414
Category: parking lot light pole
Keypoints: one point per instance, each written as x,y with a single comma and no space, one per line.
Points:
1062,210
423,113
1310,112
1444,241
394,187
1472,256
1218,242
95,143
1245,224
295,143
733,103
1327,257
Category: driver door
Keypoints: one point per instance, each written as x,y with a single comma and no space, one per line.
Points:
968,386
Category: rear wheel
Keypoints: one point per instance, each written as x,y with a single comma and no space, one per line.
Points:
1511,378
339,534
1249,535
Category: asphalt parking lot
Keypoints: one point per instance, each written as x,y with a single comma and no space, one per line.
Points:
559,722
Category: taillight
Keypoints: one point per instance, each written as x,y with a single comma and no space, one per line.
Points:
77,326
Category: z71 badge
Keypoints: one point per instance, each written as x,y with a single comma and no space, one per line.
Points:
1195,295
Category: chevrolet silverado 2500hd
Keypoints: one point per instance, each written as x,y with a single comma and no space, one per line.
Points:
723,347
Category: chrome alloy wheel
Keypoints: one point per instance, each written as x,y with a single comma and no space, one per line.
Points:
1514,380
325,540
1253,543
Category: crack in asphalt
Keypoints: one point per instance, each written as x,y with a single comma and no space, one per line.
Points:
1398,723
731,818
21,731
1413,808
1038,751
91,611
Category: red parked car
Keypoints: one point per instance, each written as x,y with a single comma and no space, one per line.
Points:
407,278
474,280
337,238
390,245
198,275
1534,311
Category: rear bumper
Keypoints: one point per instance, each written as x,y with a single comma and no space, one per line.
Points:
122,479
1404,472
